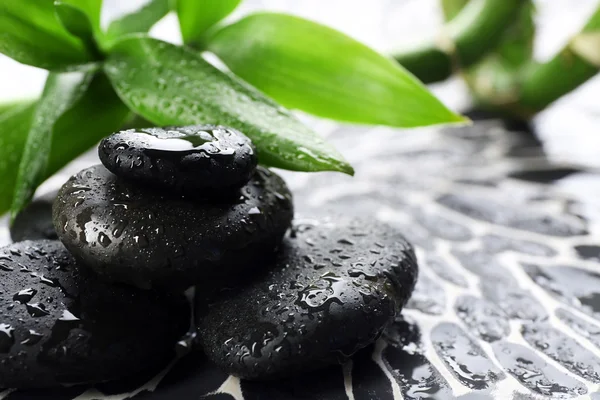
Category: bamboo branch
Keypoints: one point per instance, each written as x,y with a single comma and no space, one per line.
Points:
470,35
542,84
523,90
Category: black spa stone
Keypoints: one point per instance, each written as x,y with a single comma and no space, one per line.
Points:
60,325
35,221
130,234
199,160
332,290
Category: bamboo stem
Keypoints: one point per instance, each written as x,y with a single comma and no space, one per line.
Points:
545,83
470,35
525,91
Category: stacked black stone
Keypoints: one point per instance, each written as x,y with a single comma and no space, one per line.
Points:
178,207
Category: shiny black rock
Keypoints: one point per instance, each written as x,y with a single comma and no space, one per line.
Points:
60,325
198,160
143,237
35,221
332,290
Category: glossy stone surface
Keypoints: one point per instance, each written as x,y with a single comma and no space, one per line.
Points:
35,221
333,289
130,234
60,325
198,160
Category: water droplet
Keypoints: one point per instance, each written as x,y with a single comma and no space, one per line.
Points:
327,289
119,228
355,273
141,240
104,240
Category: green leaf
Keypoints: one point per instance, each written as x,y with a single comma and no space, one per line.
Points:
171,85
31,34
61,92
308,66
10,106
139,21
14,126
98,113
91,8
197,16
77,23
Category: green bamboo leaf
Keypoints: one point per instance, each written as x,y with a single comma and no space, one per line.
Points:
197,16
91,8
31,34
138,21
76,131
14,126
97,114
61,92
311,67
9,106
170,85
77,22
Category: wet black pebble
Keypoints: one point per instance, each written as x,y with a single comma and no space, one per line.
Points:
130,234
34,222
60,325
198,160
333,289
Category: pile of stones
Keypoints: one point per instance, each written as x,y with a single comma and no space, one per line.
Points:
179,208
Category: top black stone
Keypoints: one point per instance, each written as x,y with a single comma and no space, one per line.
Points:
198,160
